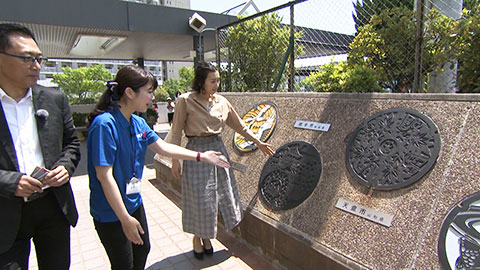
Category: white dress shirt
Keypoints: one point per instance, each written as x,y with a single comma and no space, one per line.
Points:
23,129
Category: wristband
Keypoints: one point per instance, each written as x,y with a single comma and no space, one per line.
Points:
198,156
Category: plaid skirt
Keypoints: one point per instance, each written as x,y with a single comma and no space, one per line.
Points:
207,189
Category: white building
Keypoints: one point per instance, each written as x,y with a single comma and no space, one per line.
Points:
162,70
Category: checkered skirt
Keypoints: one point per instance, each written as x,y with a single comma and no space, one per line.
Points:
207,189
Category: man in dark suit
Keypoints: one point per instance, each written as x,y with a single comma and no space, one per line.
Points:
36,129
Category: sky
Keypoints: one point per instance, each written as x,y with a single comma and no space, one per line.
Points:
335,16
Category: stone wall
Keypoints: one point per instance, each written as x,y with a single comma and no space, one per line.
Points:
316,233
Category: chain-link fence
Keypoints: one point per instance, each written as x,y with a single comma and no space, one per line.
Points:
348,46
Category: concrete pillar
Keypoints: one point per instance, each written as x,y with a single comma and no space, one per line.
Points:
445,82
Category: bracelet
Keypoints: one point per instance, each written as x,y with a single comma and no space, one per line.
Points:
198,156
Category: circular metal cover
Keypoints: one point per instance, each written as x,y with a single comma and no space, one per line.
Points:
290,175
393,149
459,240
261,120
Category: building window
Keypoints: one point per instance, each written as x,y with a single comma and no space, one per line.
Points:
49,64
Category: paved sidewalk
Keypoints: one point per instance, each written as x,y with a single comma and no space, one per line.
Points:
171,248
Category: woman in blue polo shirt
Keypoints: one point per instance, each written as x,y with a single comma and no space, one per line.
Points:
117,143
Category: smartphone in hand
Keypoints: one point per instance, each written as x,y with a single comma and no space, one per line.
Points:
38,173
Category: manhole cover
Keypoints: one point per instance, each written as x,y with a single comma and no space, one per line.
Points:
261,120
290,175
459,240
393,149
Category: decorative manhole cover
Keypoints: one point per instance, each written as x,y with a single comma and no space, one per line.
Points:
290,175
261,120
393,149
459,240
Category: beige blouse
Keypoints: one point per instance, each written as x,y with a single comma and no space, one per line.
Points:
196,117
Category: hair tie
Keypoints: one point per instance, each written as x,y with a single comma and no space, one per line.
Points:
111,85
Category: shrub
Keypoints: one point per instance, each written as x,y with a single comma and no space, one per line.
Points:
342,78
79,119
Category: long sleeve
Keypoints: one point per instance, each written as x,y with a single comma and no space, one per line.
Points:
179,118
236,123
70,155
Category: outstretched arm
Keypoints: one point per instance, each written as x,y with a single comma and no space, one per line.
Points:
176,152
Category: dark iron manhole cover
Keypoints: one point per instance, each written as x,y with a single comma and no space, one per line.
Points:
393,149
261,120
459,240
290,175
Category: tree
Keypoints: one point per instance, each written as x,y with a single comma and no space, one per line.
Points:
254,51
387,44
172,85
83,85
467,42
470,5
365,9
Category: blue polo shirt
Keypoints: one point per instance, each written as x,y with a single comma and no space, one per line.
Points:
113,141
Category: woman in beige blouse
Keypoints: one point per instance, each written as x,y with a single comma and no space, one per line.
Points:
202,114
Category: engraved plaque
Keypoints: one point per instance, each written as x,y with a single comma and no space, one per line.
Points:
290,175
365,212
261,120
393,149
459,240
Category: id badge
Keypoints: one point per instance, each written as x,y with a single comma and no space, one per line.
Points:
133,185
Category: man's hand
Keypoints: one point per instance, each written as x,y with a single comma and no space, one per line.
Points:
57,177
28,185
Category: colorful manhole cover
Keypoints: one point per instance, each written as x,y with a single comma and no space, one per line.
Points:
261,120
290,175
393,149
459,240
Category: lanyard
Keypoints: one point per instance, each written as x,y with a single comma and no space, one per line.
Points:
133,147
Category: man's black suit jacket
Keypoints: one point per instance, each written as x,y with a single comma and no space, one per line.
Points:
60,146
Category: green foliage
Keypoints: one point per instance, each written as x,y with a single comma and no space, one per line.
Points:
152,116
365,9
387,44
172,85
83,85
79,119
341,77
329,78
470,5
254,51
362,79
161,94
467,41
186,78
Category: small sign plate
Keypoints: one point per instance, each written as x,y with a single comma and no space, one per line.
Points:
365,212
312,125
238,166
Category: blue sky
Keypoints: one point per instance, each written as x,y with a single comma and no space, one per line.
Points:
327,15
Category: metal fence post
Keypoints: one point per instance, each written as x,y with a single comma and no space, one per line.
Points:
418,79
291,80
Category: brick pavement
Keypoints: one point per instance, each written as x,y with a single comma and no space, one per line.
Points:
171,248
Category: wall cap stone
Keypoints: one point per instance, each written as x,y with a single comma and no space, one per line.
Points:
391,96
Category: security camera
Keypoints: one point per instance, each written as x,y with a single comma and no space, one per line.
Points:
197,22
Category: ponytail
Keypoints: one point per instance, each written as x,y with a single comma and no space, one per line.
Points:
128,76
106,102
